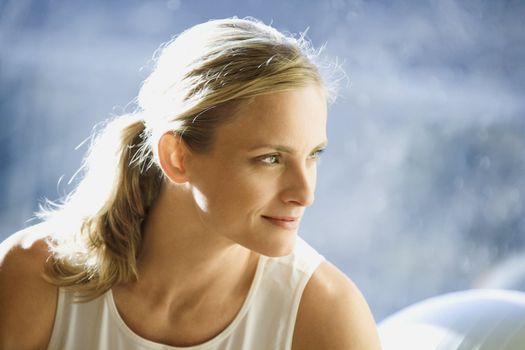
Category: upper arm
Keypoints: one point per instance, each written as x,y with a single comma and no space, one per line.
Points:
27,301
333,314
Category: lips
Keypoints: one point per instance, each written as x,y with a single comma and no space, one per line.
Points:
286,222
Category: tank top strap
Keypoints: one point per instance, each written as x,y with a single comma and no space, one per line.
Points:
272,315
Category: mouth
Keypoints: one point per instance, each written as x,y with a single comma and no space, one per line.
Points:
286,222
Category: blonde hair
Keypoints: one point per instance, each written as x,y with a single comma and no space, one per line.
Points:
199,78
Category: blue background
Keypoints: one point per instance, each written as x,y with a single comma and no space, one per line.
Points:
422,188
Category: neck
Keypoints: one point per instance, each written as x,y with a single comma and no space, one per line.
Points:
180,259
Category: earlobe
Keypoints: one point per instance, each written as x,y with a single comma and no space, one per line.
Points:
172,156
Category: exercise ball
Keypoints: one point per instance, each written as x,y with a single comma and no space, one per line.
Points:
477,319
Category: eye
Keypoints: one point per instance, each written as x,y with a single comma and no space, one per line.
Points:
270,159
317,154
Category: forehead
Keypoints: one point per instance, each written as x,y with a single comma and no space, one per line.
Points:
296,118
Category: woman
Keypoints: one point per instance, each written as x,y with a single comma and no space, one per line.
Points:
183,230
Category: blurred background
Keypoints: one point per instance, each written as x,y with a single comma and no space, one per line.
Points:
422,189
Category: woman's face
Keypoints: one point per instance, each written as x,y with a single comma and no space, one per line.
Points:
255,184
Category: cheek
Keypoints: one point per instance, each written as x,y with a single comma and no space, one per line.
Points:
240,192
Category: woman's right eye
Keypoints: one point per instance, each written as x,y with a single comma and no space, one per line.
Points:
270,159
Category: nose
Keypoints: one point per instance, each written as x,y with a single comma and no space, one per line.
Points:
300,185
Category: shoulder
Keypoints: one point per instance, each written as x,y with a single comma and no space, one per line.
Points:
333,314
27,301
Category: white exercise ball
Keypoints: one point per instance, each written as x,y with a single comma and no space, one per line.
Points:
477,319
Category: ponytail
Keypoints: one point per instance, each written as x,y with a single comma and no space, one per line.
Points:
99,226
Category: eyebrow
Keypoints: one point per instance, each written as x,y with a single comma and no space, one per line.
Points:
284,148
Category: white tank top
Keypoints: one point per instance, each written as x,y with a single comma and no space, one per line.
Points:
265,321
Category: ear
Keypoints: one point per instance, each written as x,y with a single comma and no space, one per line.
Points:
172,152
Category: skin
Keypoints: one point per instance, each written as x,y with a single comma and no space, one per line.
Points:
217,212
27,301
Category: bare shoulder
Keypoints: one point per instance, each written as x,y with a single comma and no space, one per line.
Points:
333,314
27,301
